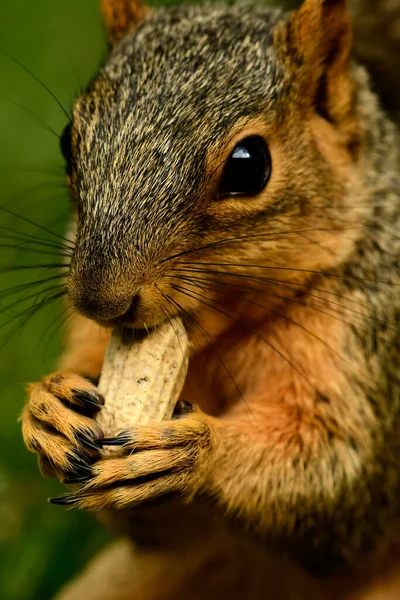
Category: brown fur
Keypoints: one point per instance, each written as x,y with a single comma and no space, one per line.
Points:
121,16
291,457
118,571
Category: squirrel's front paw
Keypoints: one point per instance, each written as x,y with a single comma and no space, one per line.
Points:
173,457
58,424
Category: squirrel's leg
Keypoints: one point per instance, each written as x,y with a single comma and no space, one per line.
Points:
58,421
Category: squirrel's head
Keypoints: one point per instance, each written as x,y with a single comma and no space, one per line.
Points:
214,137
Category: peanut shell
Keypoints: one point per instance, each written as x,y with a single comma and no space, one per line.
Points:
142,380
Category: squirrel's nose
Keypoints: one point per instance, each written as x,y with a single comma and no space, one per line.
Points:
131,313
104,307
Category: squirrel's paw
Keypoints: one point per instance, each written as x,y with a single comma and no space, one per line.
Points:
170,458
58,424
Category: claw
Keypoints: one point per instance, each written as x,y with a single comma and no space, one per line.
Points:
182,408
121,439
63,501
89,398
77,479
86,441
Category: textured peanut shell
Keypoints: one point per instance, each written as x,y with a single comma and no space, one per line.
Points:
142,380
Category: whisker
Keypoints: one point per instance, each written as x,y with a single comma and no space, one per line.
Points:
27,246
279,314
23,198
297,270
315,243
21,246
332,311
24,299
33,115
250,237
182,311
215,351
23,318
35,78
290,361
307,294
169,320
27,286
63,325
59,322
13,214
284,283
32,267
22,236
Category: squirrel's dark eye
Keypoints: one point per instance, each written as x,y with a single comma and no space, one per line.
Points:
248,168
66,145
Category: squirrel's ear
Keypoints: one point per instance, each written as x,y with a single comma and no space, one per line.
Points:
121,16
318,36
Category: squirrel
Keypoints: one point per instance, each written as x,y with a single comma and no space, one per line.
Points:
231,164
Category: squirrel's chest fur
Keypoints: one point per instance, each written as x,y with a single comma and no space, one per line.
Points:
271,361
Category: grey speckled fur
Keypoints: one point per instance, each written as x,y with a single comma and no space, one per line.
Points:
184,62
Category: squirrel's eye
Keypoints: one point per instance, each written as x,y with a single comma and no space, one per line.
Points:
66,145
248,168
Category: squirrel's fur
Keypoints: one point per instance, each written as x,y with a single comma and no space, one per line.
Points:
291,299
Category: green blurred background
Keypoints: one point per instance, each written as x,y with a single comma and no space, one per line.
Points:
62,42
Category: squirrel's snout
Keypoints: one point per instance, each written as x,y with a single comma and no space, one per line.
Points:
103,306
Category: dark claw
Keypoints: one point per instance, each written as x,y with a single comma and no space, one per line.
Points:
86,441
182,408
89,398
63,501
121,439
77,479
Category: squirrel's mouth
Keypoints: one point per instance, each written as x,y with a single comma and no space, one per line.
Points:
136,319
129,329
130,315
